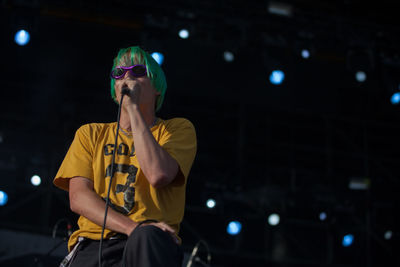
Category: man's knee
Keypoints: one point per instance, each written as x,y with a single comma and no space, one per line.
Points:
148,234
146,231
149,244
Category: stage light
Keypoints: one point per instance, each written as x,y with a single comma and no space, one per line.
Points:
388,235
273,219
36,180
228,56
234,228
361,76
3,198
280,9
22,37
305,53
277,77
158,57
323,216
347,240
211,203
359,183
395,99
184,33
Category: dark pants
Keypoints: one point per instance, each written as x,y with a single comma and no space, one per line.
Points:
146,246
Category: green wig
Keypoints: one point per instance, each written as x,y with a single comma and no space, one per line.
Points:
135,55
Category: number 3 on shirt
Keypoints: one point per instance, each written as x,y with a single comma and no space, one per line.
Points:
126,189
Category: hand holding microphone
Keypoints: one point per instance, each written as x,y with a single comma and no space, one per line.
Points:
133,94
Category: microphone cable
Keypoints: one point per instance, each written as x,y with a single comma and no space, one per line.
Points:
124,91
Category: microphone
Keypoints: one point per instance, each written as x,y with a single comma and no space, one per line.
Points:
126,91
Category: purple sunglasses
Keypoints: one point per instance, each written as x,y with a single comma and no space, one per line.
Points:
135,70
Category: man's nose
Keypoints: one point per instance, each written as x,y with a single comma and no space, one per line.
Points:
126,78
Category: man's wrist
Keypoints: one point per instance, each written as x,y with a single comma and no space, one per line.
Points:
133,107
131,228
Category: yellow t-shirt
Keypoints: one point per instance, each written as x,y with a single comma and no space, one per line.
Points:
90,156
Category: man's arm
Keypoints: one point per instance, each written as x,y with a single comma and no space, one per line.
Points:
84,201
158,166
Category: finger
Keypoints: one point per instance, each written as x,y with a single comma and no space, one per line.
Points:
176,240
168,228
171,231
159,225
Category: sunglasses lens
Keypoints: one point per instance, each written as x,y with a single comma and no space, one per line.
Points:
139,70
117,72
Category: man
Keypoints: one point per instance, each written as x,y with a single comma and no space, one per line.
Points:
152,162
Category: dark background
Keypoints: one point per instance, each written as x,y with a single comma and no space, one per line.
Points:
291,148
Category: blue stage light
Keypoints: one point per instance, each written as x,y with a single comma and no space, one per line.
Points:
274,219
234,228
3,198
277,77
36,180
229,56
347,240
361,76
211,203
22,37
388,234
158,57
184,34
395,99
305,53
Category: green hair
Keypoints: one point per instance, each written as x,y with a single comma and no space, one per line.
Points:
135,55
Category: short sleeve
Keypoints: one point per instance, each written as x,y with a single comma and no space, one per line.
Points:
78,160
179,140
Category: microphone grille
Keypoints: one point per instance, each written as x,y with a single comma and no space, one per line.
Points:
125,91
